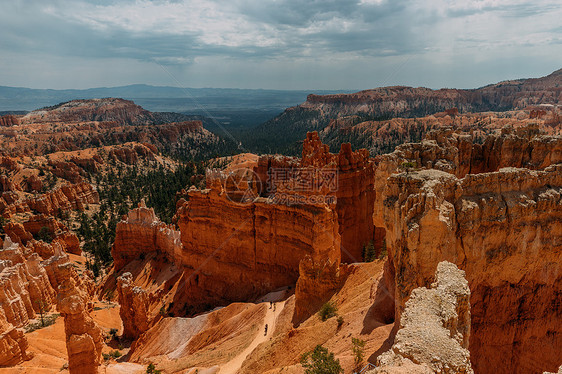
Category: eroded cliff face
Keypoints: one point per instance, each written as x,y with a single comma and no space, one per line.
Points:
13,343
141,233
239,251
352,187
434,328
63,199
503,228
227,251
30,273
24,285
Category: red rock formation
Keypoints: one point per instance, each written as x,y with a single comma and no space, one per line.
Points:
17,233
84,339
130,155
140,233
352,187
65,198
9,120
24,285
434,329
13,343
36,222
238,251
318,281
229,251
503,228
34,184
134,306
66,170
69,242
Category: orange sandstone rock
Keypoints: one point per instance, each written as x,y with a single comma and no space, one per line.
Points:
134,306
503,228
434,328
84,340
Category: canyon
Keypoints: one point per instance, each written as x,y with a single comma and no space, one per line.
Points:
439,255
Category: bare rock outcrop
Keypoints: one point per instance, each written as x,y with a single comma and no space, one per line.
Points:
24,285
67,197
84,339
502,227
347,177
9,121
241,251
140,233
318,281
134,306
434,328
13,343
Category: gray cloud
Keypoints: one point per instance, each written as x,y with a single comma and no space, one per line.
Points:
259,43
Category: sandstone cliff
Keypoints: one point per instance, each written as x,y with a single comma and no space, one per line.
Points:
13,343
503,228
434,328
62,199
348,177
140,233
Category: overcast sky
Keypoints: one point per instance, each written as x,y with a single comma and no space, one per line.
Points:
279,44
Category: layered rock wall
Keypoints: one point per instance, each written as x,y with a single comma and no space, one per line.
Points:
504,228
239,251
352,187
140,233
67,197
25,286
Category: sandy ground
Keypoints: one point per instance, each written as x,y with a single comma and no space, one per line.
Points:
48,346
270,320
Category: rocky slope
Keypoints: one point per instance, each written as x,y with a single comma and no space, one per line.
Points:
389,102
439,318
501,226
82,124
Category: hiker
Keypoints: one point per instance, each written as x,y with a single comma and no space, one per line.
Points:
265,330
274,307
270,303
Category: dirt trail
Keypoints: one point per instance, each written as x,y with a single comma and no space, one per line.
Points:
235,364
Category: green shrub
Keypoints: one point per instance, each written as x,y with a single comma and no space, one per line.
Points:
113,354
358,349
320,361
45,235
327,311
47,321
340,321
151,369
369,254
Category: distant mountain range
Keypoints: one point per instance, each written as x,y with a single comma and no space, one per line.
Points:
282,133
160,98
